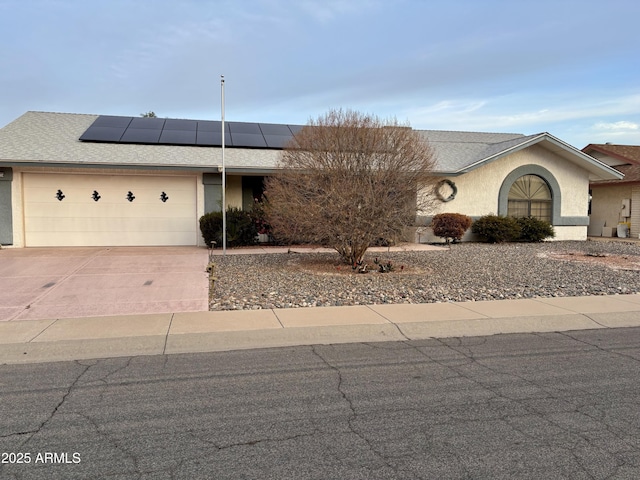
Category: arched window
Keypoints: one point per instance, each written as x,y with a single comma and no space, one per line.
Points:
530,196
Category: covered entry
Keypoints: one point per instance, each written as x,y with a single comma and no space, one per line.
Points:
105,210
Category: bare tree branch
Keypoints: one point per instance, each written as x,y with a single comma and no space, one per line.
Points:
348,179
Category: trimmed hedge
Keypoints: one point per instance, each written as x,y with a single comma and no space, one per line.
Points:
450,226
534,230
241,228
497,229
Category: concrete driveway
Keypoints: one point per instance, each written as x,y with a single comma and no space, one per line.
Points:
39,283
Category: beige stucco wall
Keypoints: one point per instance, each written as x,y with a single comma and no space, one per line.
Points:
606,203
18,185
478,190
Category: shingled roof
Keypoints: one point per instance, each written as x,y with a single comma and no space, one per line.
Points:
52,139
629,154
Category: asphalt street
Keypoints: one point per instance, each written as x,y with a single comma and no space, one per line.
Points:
546,405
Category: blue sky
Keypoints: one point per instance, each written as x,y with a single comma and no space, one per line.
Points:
571,68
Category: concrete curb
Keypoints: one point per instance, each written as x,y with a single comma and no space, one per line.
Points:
155,334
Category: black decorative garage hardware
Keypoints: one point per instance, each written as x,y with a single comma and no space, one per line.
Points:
59,195
130,196
96,196
164,197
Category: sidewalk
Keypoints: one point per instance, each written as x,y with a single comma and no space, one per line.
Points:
32,341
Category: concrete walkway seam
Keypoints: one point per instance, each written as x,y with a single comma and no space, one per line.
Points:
166,338
391,322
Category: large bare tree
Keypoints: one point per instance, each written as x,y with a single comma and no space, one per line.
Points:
348,179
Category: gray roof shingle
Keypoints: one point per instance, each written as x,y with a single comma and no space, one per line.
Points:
53,138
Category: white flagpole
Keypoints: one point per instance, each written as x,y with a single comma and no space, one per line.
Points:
224,176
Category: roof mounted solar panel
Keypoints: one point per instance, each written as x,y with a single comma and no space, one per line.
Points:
295,129
274,129
178,137
177,124
141,135
154,131
210,126
149,123
250,140
112,121
103,134
212,139
277,141
242,127
213,126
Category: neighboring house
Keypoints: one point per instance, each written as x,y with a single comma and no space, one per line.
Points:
615,201
72,179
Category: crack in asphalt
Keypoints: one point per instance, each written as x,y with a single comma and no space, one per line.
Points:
250,443
571,450
35,431
353,414
577,443
104,379
598,347
113,442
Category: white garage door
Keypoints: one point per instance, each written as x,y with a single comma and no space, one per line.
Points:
104,210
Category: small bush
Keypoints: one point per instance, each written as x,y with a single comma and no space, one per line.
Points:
450,226
496,229
534,230
241,228
211,228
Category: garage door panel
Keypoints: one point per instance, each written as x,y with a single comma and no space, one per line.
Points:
112,211
63,239
78,219
78,225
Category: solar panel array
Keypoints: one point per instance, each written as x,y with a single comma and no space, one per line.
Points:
208,133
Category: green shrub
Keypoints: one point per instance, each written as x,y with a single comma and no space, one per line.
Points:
496,229
241,228
534,230
211,228
450,226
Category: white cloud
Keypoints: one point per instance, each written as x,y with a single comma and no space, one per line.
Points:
326,10
524,112
621,126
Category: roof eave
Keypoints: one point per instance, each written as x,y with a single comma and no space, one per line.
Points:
593,165
600,149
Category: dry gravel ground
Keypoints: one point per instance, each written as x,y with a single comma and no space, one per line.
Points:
465,272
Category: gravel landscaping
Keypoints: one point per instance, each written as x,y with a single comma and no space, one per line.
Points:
465,272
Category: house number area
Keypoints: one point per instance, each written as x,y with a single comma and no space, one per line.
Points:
40,457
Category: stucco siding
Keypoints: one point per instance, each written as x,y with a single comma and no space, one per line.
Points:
606,204
478,190
570,233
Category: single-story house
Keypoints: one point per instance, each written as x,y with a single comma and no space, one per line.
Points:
615,202
89,180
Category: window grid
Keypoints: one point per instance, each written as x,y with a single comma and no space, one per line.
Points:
530,196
